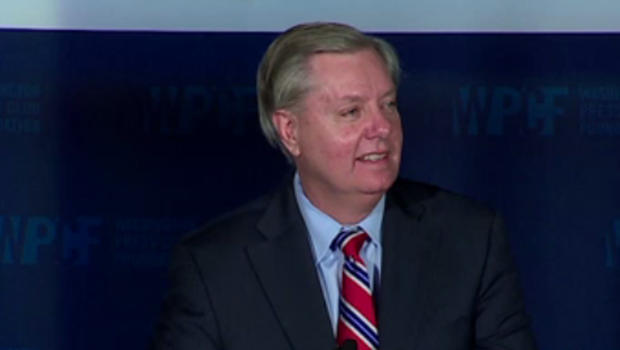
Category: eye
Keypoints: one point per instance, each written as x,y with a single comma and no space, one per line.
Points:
350,112
391,104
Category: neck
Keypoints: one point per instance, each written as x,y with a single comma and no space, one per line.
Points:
347,209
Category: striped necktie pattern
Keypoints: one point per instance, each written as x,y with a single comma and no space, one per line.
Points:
357,318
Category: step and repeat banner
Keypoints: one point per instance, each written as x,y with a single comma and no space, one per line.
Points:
114,144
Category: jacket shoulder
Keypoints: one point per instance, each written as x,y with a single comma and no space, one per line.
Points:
438,202
237,227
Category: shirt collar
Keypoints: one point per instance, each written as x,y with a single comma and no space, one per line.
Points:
323,228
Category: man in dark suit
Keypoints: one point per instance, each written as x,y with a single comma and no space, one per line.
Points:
343,251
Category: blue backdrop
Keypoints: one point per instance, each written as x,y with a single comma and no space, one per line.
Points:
115,144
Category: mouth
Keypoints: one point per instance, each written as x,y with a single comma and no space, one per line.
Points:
373,157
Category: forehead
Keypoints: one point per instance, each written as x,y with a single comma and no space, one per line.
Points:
361,73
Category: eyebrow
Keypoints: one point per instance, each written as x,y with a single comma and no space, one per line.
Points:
352,98
391,91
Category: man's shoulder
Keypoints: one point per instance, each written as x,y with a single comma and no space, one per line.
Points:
437,201
462,222
236,227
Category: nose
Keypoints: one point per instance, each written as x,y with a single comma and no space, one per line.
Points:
380,123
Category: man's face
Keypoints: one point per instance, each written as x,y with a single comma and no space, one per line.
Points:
348,134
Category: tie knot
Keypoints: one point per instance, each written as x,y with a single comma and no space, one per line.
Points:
350,241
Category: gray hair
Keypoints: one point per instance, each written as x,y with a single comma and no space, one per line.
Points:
282,78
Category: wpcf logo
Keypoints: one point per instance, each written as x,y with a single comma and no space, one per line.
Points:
179,110
22,238
484,110
612,245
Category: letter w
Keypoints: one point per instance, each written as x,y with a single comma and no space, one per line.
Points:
468,109
10,238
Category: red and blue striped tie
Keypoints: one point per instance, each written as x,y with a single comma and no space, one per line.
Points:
357,319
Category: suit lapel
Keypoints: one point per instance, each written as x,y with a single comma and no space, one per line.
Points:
408,246
286,270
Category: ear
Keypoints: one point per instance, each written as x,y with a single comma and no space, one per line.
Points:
287,125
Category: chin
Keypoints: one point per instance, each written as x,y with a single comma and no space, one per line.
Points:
380,186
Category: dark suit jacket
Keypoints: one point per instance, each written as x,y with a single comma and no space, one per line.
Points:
248,280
